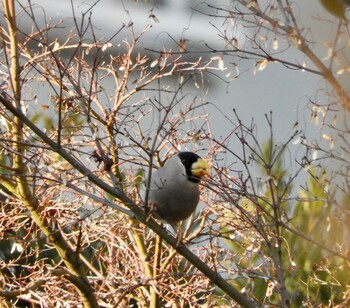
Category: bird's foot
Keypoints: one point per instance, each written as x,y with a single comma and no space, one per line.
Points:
151,209
179,237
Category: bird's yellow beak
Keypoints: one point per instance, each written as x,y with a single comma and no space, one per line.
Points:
200,168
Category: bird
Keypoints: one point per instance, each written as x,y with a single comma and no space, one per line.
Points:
173,193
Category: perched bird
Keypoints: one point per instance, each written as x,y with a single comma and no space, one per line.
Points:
174,189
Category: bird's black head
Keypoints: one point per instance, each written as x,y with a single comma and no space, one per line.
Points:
187,159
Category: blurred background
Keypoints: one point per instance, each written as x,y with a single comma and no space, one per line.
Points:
286,92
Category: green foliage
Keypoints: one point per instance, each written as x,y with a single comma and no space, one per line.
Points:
311,274
139,178
320,277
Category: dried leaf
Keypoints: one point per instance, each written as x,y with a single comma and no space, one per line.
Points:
235,42
262,65
221,64
154,63
343,70
105,46
255,66
182,45
181,78
330,139
297,140
296,126
275,44
334,120
253,4
56,46
326,137
154,18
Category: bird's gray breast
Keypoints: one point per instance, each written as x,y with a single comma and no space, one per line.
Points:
175,197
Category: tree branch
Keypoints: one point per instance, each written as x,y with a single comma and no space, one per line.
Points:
215,277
